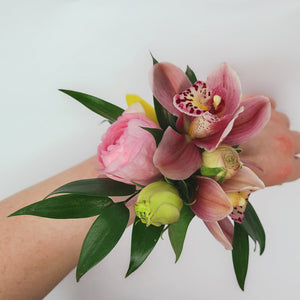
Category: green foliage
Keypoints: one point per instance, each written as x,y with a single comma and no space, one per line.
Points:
153,59
254,228
103,108
66,207
102,237
210,172
156,133
177,231
96,187
143,240
190,74
165,119
240,253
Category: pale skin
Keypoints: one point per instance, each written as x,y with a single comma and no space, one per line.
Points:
274,150
37,253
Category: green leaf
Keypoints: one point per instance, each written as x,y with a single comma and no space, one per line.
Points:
143,240
99,106
210,172
254,228
177,231
165,119
156,133
240,254
102,237
66,207
190,74
153,59
96,187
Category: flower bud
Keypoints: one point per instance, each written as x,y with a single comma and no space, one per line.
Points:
158,203
220,164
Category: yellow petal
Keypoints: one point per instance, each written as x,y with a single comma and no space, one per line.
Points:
150,112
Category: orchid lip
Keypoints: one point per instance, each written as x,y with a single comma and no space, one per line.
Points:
195,100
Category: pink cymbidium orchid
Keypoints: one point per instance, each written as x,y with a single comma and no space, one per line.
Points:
208,112
215,202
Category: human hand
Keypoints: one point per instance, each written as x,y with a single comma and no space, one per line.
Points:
272,153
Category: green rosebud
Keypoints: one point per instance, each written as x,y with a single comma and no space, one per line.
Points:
220,164
158,203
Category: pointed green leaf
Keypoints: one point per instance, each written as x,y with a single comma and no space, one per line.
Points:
99,106
165,119
66,207
190,74
156,133
96,187
153,59
254,228
177,231
240,254
102,237
143,240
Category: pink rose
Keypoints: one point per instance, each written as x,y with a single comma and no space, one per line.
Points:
127,150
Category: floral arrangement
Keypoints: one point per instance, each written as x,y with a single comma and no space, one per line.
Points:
172,162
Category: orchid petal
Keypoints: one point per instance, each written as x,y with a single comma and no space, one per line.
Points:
224,76
238,212
176,157
221,129
257,111
222,231
211,203
166,81
244,180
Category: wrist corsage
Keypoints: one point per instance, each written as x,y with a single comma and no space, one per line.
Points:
171,162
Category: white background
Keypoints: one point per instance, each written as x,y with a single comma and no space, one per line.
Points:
102,48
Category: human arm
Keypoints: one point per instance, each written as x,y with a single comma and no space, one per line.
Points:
37,253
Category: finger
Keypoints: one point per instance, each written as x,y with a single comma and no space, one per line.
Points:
285,119
296,140
279,117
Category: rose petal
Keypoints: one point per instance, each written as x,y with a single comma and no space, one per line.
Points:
211,203
244,180
166,81
148,109
224,76
221,129
135,108
176,157
257,111
222,231
126,151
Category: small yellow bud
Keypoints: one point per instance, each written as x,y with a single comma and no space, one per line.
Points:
220,164
158,203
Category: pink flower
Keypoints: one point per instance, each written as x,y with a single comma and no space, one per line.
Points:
211,110
126,152
215,202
